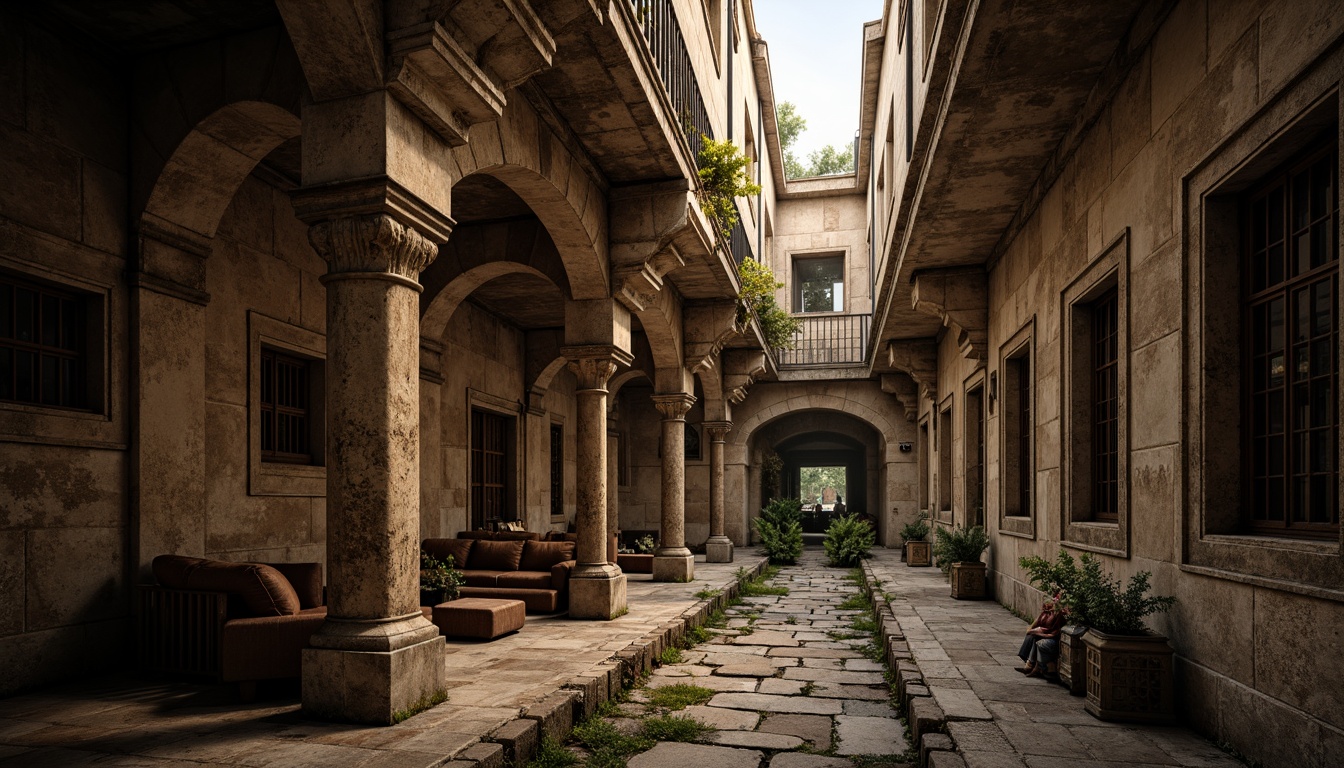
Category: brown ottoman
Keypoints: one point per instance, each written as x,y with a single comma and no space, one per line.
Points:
479,617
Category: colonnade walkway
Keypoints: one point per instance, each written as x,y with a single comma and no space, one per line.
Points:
538,672
963,660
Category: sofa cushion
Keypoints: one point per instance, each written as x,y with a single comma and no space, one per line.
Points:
495,555
441,549
541,555
267,647
525,579
516,536
482,578
261,589
536,600
306,579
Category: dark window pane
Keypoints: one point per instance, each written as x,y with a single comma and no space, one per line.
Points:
1275,331
71,325
6,373
1274,409
25,314
70,384
25,374
1275,209
1299,203
1275,264
1302,252
51,322
1320,188
1323,304
51,380
1274,509
1320,402
1299,503
6,311
1321,498
1320,240
1320,451
1275,455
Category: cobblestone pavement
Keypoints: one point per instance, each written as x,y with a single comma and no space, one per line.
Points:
124,720
788,682
966,653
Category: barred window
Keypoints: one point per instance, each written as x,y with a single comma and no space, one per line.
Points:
1105,407
1290,224
557,470
286,420
43,349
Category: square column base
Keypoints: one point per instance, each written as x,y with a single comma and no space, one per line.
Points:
374,687
719,550
601,598
674,568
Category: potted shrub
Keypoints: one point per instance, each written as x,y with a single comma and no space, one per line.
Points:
958,550
915,549
439,580
848,541
1129,668
1060,576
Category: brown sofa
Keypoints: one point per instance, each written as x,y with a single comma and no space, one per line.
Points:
236,622
535,572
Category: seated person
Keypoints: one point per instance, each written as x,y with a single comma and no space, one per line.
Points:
1040,648
839,507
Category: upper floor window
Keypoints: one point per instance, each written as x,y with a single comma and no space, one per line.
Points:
286,402
43,345
1290,226
819,283
1105,406
557,470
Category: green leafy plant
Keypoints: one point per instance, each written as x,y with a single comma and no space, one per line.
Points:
608,745
758,296
848,541
552,754
916,531
723,179
771,467
708,594
1110,606
440,576
1051,576
781,531
959,545
671,655
645,544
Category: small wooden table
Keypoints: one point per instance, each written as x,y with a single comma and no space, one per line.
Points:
479,618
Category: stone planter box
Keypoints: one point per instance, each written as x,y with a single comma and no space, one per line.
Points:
1073,659
1129,678
918,554
968,581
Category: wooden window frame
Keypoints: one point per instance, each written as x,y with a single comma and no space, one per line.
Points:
557,470
75,389
796,292
945,442
1017,434
273,364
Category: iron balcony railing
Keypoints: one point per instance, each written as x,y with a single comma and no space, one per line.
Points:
739,244
826,341
658,21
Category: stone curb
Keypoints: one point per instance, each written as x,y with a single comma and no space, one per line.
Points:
554,716
927,721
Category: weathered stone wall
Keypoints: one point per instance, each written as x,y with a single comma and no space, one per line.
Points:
261,265
1242,642
64,602
825,225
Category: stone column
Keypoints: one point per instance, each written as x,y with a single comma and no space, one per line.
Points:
596,587
376,654
613,479
673,561
719,548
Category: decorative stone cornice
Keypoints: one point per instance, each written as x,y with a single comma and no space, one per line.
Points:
918,359
709,326
673,407
905,391
958,297
741,368
594,365
375,194
372,243
638,285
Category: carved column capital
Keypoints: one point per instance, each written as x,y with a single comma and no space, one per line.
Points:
673,407
594,366
718,430
372,243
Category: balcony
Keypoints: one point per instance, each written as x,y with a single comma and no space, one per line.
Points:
826,341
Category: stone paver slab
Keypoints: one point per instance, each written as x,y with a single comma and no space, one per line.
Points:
759,668
757,740
742,684
869,736
851,692
959,704
772,639
799,760
760,702
813,728
773,685
833,676
722,719
678,755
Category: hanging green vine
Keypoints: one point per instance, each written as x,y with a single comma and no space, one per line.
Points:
723,179
758,295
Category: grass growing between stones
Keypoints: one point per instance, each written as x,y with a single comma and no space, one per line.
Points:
675,728
671,655
856,602
551,754
608,747
755,586
708,594
679,696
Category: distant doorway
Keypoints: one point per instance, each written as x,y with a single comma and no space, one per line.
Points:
825,486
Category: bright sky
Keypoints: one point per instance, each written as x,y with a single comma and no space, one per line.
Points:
816,50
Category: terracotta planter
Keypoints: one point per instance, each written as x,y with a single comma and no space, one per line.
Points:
1073,659
968,581
918,554
1129,678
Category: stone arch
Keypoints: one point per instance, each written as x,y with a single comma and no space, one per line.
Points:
192,147
520,151
621,379
885,426
199,180
477,255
